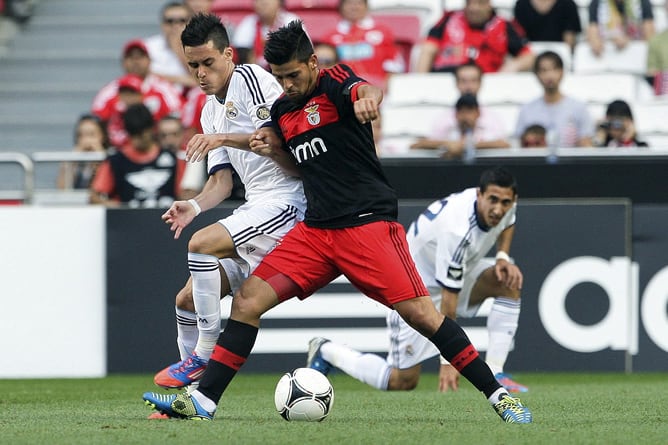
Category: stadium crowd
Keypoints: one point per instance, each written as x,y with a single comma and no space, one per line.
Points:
387,44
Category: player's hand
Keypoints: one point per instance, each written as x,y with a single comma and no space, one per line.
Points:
265,142
509,275
200,145
366,110
448,378
179,215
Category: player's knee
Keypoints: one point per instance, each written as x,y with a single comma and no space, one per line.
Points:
198,243
249,302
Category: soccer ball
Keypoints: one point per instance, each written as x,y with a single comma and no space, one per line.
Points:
304,394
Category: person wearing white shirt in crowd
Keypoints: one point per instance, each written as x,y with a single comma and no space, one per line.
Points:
165,50
460,136
249,36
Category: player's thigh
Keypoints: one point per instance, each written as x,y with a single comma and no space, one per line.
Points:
212,240
256,230
404,379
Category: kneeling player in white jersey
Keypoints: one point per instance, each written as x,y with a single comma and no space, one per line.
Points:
222,255
448,242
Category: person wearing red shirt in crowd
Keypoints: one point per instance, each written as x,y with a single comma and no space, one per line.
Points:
140,174
475,34
157,94
364,45
248,38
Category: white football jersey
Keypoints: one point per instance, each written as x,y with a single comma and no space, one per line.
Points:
447,238
250,95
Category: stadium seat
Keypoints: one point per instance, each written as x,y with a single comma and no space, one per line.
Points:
650,117
296,6
631,59
318,23
509,88
421,88
406,30
603,88
561,48
409,121
429,11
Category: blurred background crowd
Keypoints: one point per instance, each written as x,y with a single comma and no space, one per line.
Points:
460,76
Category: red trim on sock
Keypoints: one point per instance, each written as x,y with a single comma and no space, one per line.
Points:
462,360
227,358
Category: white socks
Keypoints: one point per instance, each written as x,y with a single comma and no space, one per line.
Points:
206,297
501,328
186,330
368,368
204,401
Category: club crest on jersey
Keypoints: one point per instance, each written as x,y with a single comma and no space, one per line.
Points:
312,115
263,113
231,111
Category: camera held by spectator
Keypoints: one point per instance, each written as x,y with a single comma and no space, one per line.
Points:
618,129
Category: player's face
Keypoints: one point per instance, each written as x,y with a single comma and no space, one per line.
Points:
211,68
494,203
298,79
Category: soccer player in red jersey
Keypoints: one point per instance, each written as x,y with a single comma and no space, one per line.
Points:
322,132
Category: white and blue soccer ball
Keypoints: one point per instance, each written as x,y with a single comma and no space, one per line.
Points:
304,394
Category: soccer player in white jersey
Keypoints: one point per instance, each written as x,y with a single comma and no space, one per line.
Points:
221,255
448,242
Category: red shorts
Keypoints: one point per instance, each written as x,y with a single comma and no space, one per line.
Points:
374,257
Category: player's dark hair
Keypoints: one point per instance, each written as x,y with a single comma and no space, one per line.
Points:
288,43
548,55
137,119
204,27
500,176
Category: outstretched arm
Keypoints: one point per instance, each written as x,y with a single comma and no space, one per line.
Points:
216,190
201,144
506,272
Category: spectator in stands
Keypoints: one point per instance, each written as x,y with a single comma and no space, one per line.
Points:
140,174
566,119
475,34
326,54
170,134
657,61
249,37
156,93
534,136
365,45
453,136
90,135
549,20
619,21
618,129
165,50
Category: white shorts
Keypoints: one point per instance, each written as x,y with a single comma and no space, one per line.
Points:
407,346
255,231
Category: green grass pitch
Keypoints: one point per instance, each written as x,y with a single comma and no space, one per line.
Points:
567,408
